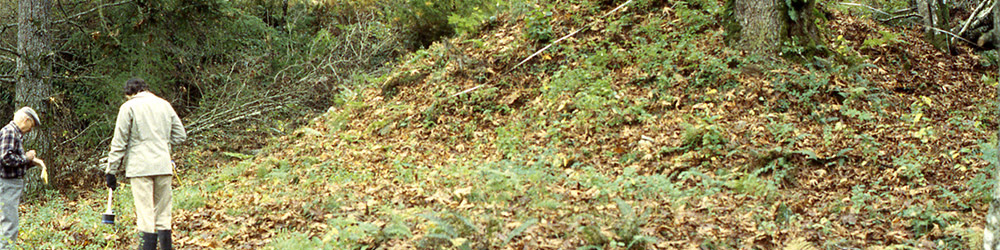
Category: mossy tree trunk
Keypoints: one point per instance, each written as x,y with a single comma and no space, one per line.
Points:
935,15
762,27
34,69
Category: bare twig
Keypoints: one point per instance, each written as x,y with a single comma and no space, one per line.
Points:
866,6
9,50
91,11
242,106
930,27
567,36
77,135
545,48
898,12
7,26
953,35
467,90
899,17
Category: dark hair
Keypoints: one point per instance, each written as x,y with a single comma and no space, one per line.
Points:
135,85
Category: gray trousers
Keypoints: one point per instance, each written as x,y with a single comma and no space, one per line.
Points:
10,197
153,202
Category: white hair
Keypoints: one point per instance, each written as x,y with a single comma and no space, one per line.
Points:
20,116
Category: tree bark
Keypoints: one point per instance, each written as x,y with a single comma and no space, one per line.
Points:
935,13
759,25
34,68
762,27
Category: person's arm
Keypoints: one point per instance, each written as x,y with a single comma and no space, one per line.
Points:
177,132
119,143
11,154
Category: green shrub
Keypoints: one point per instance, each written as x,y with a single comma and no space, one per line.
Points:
886,38
980,188
295,240
189,198
911,165
537,28
703,134
628,227
800,91
926,218
424,22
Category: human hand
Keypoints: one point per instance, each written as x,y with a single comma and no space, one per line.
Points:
30,154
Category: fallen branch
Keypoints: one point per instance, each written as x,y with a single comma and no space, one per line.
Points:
952,34
904,16
242,106
971,16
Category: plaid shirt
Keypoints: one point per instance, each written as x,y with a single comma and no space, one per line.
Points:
13,161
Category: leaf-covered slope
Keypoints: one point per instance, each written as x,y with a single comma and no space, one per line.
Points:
644,130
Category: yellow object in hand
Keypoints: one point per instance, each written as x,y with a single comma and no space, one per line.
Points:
45,173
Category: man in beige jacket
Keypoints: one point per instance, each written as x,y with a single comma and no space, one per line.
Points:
146,128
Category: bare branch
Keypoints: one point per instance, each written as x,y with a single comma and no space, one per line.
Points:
9,50
899,17
91,11
953,35
971,17
898,12
7,26
866,6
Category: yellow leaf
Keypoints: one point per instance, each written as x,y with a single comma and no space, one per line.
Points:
926,100
458,241
799,244
462,191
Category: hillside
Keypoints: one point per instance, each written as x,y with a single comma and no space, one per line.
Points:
644,131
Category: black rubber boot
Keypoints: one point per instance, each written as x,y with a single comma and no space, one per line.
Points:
148,241
165,243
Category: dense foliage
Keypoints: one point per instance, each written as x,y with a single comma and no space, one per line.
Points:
234,70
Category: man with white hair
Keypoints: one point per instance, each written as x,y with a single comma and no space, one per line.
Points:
14,161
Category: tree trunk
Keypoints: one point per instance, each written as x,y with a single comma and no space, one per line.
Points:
762,27
935,15
759,26
34,69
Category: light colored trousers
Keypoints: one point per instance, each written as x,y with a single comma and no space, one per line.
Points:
152,202
10,197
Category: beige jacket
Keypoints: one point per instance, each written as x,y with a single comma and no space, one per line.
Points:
147,125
